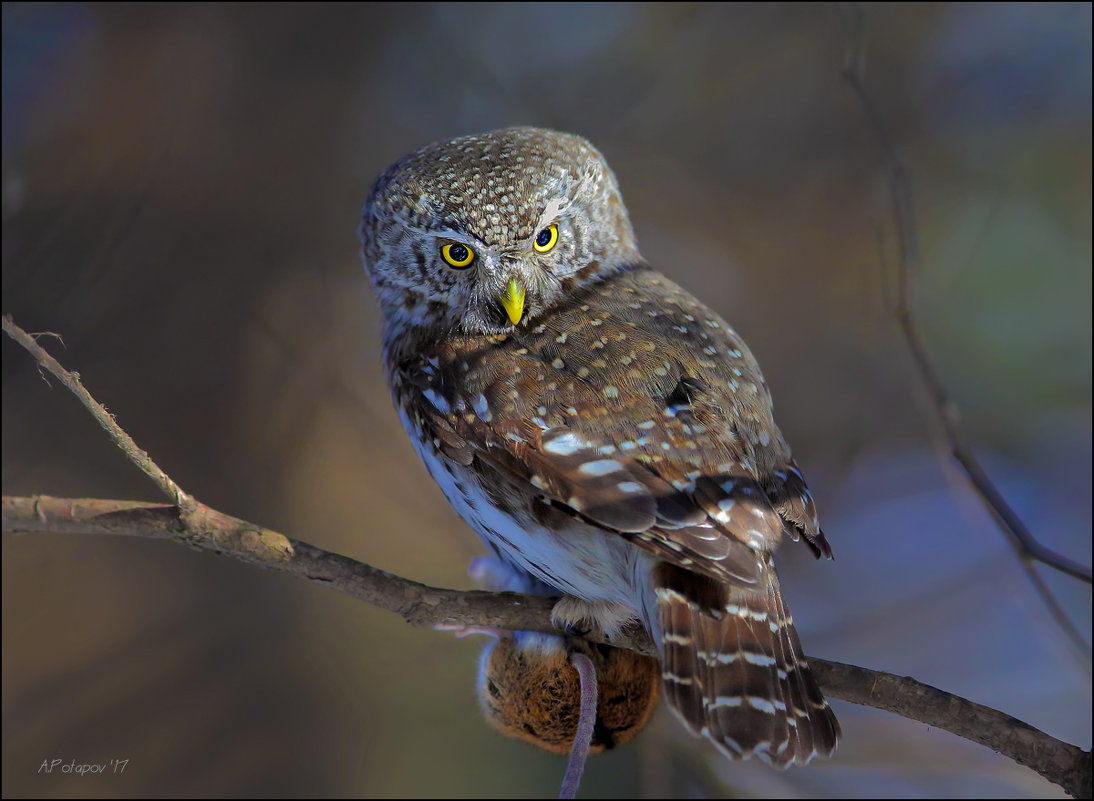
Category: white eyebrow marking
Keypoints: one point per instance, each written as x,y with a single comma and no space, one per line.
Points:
551,212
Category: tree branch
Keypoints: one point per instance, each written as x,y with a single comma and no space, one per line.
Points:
422,605
946,412
104,418
209,530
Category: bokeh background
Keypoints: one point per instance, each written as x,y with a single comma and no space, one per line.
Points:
181,186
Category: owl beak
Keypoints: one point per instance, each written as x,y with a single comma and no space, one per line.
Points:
513,300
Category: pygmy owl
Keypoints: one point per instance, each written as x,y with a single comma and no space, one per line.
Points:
598,426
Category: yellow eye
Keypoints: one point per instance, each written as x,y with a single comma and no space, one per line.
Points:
457,255
546,239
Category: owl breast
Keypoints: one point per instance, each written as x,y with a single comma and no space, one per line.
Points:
556,547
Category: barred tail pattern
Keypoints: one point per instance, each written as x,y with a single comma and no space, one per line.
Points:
733,669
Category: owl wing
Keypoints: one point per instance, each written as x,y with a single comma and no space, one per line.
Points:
659,431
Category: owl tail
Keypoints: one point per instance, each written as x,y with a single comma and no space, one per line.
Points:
734,670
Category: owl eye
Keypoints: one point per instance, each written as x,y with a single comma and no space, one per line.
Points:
546,239
457,255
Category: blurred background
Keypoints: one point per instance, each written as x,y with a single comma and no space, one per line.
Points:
181,187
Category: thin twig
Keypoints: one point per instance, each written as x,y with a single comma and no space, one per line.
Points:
1027,547
138,457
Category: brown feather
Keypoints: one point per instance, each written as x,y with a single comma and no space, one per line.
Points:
734,670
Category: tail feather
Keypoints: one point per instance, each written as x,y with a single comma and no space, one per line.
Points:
820,732
789,673
680,669
734,670
738,690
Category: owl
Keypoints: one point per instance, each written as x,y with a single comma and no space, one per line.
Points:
599,427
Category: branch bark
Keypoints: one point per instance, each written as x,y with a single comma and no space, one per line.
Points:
205,528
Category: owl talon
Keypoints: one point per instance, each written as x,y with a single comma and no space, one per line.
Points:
579,618
577,628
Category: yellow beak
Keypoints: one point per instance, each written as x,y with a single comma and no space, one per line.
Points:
513,300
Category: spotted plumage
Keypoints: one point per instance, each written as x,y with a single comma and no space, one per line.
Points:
598,426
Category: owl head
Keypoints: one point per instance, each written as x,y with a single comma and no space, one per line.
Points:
483,233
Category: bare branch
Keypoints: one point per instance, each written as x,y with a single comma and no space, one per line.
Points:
138,457
1060,763
421,605
210,530
946,412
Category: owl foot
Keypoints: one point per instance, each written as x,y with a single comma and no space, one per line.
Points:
579,617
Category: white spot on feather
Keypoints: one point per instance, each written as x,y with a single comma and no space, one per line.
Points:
564,445
439,403
482,409
600,467
725,700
